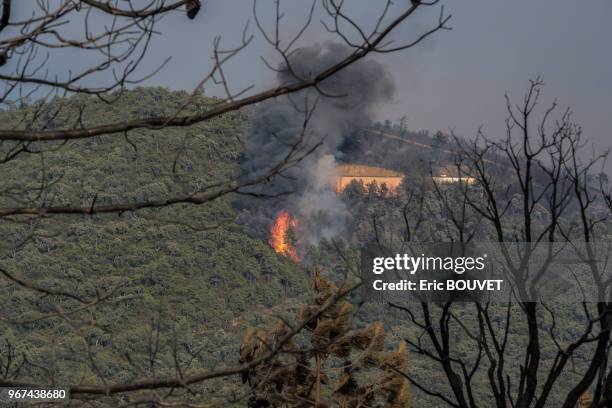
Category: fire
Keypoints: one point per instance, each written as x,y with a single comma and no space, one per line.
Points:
280,237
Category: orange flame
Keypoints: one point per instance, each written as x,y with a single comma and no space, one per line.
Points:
279,235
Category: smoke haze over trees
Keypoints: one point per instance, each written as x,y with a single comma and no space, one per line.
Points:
135,262
322,122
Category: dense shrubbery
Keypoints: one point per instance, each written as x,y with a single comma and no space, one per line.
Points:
191,268
191,279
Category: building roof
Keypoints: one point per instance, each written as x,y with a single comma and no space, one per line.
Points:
358,170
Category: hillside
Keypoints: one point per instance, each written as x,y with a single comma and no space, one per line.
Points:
189,278
189,270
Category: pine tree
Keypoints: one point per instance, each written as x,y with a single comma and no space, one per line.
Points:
334,365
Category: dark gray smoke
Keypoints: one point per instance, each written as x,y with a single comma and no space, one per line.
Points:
344,104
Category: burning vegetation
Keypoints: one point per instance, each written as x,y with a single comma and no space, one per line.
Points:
283,229
282,235
327,131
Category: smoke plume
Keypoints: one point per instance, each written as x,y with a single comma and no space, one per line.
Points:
344,104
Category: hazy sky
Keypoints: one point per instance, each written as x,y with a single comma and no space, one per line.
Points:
455,79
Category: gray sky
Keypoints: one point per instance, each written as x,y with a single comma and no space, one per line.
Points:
455,79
